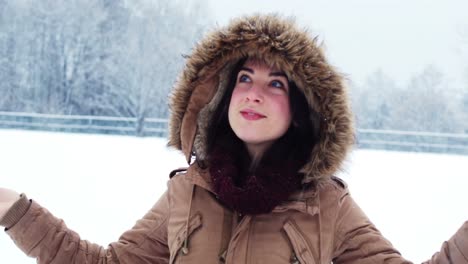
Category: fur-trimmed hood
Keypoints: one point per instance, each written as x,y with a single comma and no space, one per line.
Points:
281,43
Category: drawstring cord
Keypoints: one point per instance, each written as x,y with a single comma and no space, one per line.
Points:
185,249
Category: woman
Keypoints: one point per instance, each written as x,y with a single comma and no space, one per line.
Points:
264,123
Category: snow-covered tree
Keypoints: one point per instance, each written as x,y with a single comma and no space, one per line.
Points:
373,102
425,104
97,57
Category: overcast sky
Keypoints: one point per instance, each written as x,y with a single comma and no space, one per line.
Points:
399,36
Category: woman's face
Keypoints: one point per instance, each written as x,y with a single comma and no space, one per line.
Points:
259,111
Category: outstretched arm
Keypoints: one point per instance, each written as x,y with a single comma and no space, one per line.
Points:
455,250
359,241
42,236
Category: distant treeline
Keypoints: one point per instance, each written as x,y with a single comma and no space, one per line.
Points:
94,57
428,102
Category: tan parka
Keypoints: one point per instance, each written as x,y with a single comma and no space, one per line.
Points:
320,223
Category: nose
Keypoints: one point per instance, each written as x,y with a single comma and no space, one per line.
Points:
254,94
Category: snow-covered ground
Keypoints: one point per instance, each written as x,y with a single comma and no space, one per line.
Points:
100,185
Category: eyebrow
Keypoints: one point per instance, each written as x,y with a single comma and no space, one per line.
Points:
279,74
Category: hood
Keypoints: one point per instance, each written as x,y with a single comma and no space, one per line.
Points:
282,44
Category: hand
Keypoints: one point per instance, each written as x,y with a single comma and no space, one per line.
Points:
7,199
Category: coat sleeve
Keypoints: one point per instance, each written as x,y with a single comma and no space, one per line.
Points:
42,236
357,240
455,250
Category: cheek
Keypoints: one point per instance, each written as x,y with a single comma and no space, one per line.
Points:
236,94
284,111
235,98
232,107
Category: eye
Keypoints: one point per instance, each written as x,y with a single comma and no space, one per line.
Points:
244,78
277,84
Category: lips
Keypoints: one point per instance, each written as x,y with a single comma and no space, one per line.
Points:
251,115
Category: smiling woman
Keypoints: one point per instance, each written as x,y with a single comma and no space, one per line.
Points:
259,110
264,122
267,123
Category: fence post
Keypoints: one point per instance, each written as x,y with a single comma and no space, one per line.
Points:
140,126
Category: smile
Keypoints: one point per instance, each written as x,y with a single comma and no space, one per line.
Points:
251,115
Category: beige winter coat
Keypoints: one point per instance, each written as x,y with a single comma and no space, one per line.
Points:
319,224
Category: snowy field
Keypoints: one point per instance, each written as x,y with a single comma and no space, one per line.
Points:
100,185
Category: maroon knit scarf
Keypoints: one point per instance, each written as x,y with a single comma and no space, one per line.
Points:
256,192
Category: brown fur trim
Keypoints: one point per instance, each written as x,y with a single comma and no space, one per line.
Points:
280,43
